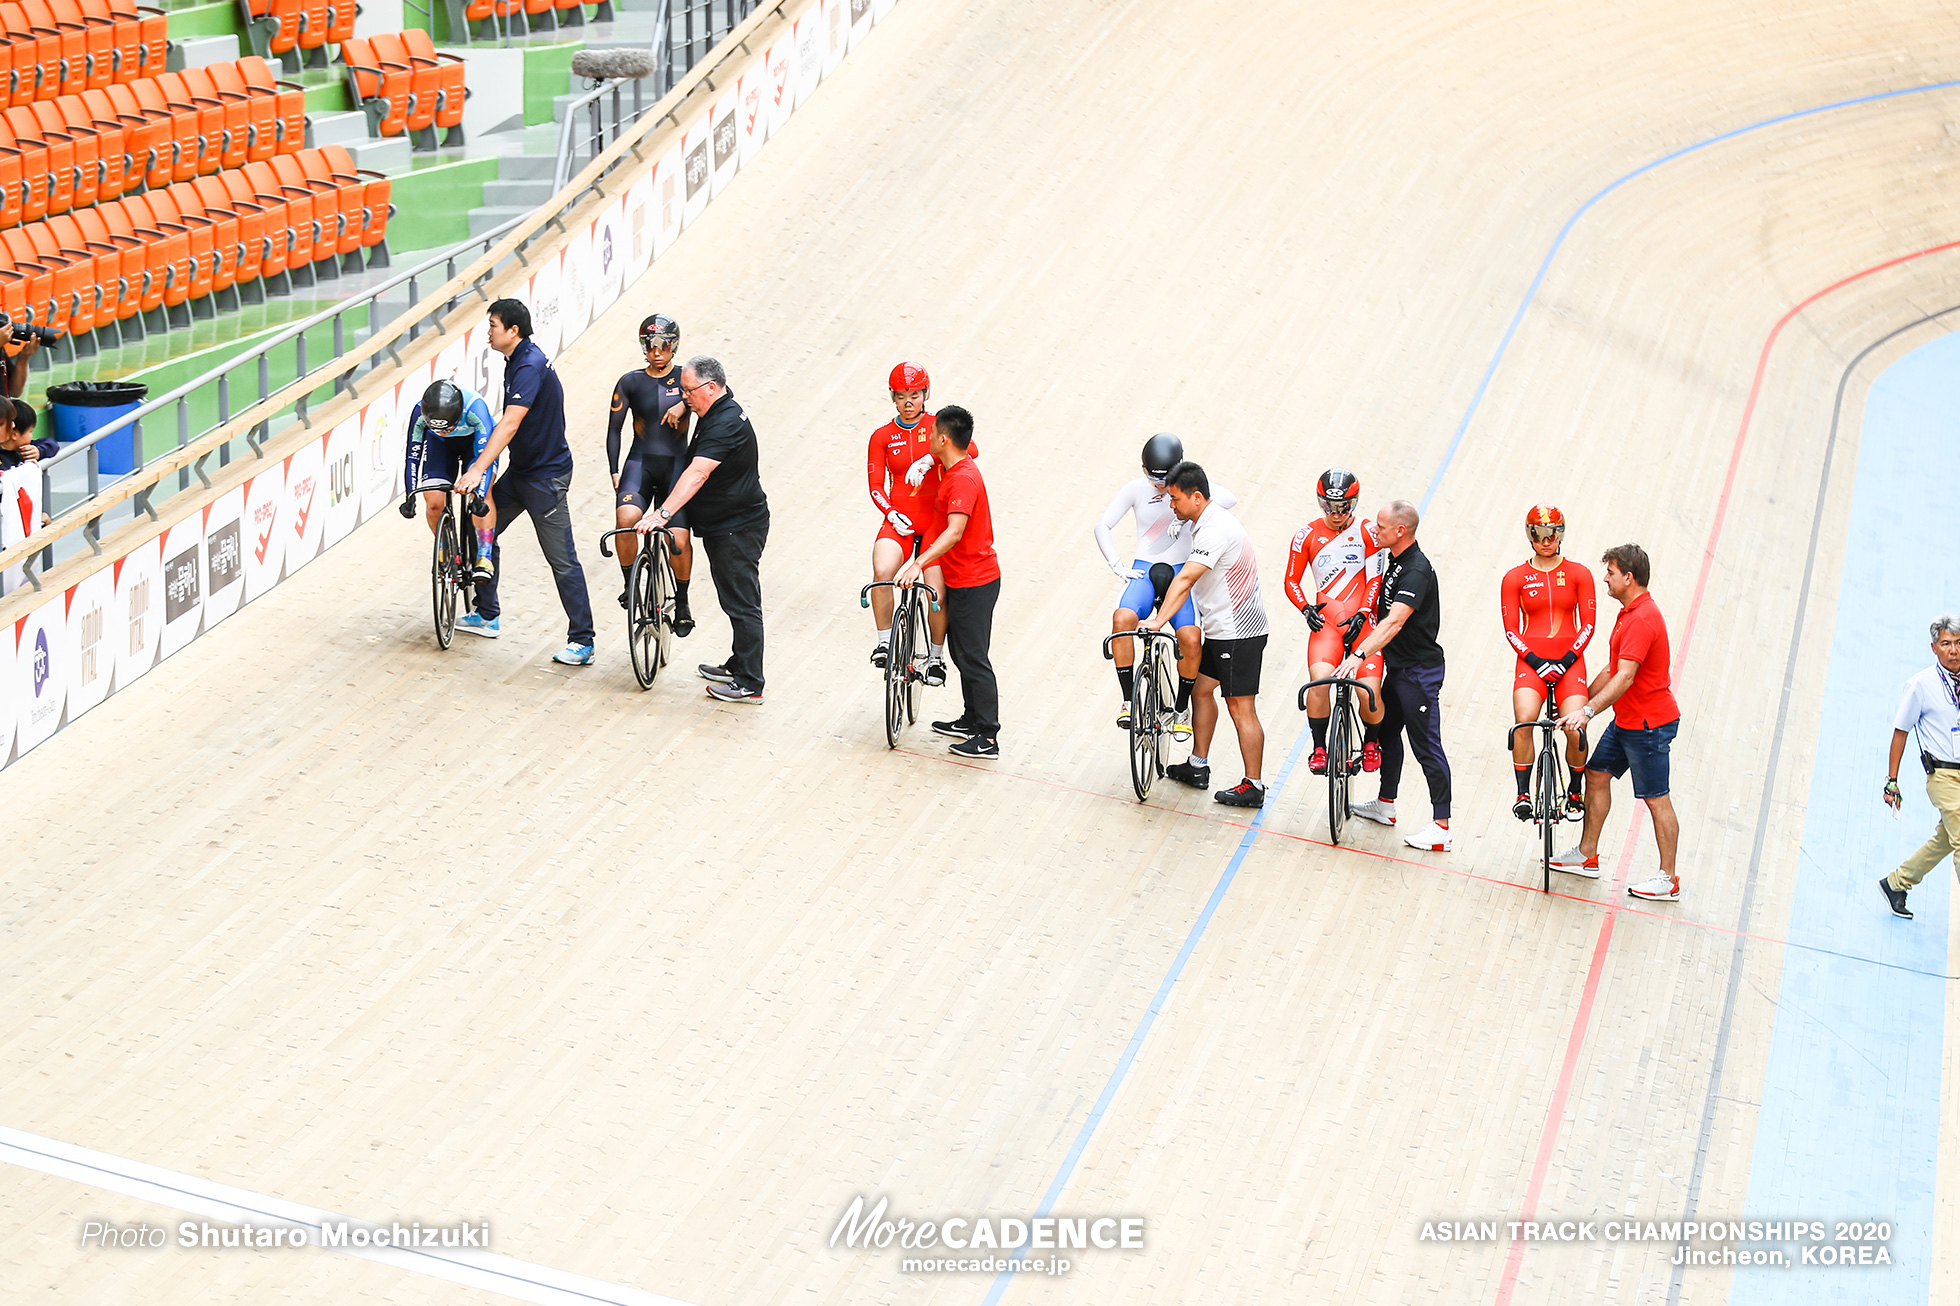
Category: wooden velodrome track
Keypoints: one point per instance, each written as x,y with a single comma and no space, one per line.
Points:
657,986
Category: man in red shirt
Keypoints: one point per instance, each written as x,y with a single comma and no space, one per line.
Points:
1635,683
964,551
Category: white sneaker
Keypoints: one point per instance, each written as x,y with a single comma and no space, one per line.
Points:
1662,888
1375,810
1432,838
1574,862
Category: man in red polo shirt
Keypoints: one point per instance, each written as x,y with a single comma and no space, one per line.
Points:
964,550
1635,683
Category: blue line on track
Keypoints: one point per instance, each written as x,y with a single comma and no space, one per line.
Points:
1128,1058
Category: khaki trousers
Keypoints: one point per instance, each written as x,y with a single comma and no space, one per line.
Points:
1943,787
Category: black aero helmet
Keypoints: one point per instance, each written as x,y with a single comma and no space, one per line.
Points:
442,407
659,329
1338,489
1161,452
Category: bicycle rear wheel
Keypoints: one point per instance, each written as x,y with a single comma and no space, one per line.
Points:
1550,800
1338,738
1143,719
1166,708
643,619
898,661
915,676
443,581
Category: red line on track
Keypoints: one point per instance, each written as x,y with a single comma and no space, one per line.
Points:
1581,1020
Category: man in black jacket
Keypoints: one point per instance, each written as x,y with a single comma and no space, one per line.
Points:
722,492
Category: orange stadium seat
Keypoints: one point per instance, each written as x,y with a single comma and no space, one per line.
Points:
181,164
391,52
122,295
379,89
112,141
261,110
313,33
331,217
154,25
19,66
291,97
155,220
98,37
57,190
450,91
237,114
12,187
85,150
152,138
13,289
70,44
94,304
375,208
179,206
52,283
349,193
38,56
125,222
36,170
302,229
125,39
177,93
272,26
194,205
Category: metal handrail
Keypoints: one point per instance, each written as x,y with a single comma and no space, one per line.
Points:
659,46
257,357
518,233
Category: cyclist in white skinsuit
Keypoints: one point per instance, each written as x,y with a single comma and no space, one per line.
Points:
1161,537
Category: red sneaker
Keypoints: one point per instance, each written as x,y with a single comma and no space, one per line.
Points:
1318,762
1371,757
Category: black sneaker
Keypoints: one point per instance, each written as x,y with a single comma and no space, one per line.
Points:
683,621
978,746
1198,777
1522,807
959,729
1243,794
935,672
721,675
881,655
1897,897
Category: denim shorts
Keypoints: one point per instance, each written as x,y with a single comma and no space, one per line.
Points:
1642,751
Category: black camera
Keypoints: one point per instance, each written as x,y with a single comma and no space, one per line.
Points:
23,330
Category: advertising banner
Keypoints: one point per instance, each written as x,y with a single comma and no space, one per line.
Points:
224,556
343,487
265,557
542,300
608,255
20,515
698,150
861,21
669,197
726,132
752,112
382,449
782,79
574,289
638,226
809,52
136,616
91,658
183,585
40,671
301,515
9,699
837,33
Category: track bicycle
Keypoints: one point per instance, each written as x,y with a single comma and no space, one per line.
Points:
1547,777
649,601
451,584
1153,707
905,659
1343,737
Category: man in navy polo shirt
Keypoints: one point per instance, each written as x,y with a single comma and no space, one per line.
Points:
537,481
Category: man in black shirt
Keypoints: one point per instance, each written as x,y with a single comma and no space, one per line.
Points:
657,454
1408,617
722,491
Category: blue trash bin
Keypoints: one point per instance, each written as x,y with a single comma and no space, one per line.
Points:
80,408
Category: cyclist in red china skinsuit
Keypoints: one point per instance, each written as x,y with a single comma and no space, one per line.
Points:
1550,613
1333,571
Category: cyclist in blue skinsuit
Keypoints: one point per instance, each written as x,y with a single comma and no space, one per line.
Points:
447,429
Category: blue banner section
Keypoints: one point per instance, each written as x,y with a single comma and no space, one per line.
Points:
1850,1119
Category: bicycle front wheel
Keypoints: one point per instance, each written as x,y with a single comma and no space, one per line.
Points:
921,633
1550,802
898,663
1338,737
643,618
663,600
443,581
1144,706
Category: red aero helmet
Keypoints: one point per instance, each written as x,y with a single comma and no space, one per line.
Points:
1543,521
910,376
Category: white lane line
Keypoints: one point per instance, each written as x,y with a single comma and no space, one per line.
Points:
182,1192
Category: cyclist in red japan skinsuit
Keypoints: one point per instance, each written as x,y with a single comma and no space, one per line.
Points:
1333,571
904,483
1550,614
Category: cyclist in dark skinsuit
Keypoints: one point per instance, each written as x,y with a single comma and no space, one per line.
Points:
656,457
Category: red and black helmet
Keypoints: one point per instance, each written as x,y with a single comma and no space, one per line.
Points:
910,376
659,329
1338,490
1544,522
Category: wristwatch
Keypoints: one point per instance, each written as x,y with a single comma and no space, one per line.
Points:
663,514
1588,710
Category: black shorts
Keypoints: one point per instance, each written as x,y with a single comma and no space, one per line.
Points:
1234,664
647,479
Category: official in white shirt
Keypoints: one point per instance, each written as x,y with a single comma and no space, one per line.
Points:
1931,710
